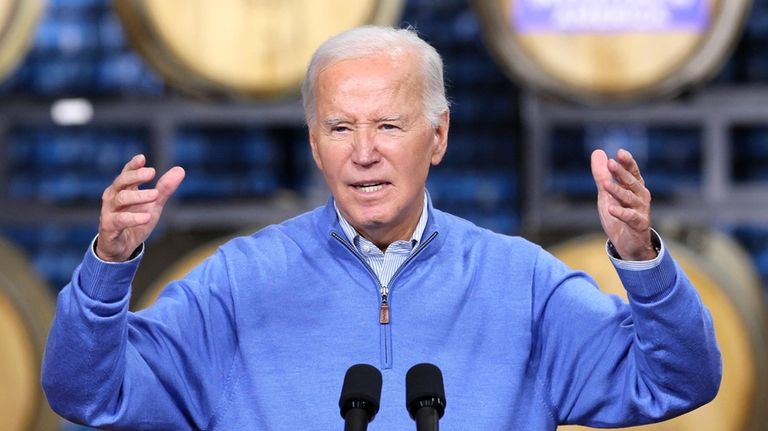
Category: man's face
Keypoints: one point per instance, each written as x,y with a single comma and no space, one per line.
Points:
373,143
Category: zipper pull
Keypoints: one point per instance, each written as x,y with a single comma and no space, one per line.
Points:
384,307
384,313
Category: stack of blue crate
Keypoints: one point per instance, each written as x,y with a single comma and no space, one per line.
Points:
749,150
749,143
53,250
673,162
749,61
478,178
227,163
65,167
80,50
755,240
68,165
669,158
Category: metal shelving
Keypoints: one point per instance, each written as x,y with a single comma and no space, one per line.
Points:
162,119
715,110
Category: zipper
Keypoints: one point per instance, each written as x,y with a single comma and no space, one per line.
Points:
408,260
384,306
384,294
384,290
352,250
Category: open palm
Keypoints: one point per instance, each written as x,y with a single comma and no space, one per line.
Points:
129,214
624,204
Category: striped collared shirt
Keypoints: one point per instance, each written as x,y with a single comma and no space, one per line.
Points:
384,264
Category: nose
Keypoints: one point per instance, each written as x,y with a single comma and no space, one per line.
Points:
364,151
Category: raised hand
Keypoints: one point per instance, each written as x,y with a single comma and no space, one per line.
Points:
624,204
128,215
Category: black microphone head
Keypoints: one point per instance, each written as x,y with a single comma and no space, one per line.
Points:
424,388
361,389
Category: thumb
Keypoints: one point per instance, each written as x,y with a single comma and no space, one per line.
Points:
169,182
600,172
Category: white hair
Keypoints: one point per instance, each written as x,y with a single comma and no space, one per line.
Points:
373,40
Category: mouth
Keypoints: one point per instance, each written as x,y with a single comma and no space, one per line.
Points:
369,187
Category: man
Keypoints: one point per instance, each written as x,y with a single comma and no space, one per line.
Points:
259,336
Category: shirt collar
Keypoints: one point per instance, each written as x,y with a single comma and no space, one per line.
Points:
351,233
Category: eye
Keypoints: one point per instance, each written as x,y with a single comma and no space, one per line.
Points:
389,126
339,129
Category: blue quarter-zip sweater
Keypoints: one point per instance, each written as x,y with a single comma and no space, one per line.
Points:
259,336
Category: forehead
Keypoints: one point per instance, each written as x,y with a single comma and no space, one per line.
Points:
369,85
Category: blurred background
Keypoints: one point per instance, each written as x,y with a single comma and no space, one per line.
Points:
213,86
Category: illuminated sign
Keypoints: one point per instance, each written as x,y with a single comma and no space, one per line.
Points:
610,15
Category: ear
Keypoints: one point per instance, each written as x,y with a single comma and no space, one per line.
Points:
440,138
313,146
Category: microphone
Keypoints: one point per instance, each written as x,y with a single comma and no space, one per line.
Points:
425,396
360,396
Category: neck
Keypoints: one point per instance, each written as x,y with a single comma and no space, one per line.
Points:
382,240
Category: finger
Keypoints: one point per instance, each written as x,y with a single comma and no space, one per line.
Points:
120,221
133,178
626,171
624,177
628,162
127,198
624,197
136,162
636,220
169,183
599,164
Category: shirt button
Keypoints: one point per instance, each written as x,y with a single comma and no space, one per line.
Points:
366,248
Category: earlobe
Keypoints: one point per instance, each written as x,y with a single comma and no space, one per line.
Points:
315,154
440,143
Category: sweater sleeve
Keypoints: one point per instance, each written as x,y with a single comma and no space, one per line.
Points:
606,363
162,368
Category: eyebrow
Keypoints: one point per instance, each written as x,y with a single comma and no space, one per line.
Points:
335,121
391,118
332,122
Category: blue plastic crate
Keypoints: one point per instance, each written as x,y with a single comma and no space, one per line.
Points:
54,251
64,7
125,72
756,25
111,35
756,60
72,186
574,183
749,142
22,186
71,35
56,76
500,222
752,237
96,148
237,148
484,190
666,184
201,185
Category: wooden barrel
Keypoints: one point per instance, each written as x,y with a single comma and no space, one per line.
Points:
728,285
212,48
26,311
18,21
609,51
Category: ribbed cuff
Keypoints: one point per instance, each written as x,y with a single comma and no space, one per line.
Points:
107,281
648,285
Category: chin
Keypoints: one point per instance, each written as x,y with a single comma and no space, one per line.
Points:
370,222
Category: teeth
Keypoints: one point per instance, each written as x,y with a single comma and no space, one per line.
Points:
370,188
